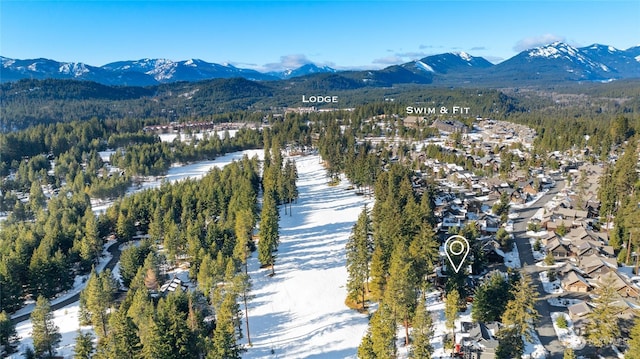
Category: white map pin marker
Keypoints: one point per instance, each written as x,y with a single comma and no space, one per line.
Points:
458,247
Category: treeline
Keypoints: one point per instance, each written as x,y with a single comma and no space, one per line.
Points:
51,237
619,195
600,134
155,158
32,102
278,187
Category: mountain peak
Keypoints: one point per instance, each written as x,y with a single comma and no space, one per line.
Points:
553,50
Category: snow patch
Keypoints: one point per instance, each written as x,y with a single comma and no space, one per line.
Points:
567,335
423,66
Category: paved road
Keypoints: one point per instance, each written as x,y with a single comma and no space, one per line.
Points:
544,327
115,257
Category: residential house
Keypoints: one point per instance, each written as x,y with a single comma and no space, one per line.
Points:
558,248
594,265
530,189
621,284
493,251
173,285
581,248
554,225
574,282
578,313
480,343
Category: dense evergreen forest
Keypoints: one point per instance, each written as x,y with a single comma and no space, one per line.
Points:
52,132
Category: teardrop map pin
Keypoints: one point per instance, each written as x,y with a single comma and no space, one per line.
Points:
457,249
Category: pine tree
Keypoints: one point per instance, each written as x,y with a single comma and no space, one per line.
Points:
520,311
602,326
378,274
141,312
8,335
269,232
45,333
451,308
569,354
423,251
401,294
91,244
358,253
634,343
11,285
225,343
122,342
84,346
383,332
365,349
510,344
97,297
490,300
422,333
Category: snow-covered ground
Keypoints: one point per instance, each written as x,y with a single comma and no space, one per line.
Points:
539,254
169,137
550,287
300,312
512,258
531,202
567,336
534,349
66,319
436,307
563,302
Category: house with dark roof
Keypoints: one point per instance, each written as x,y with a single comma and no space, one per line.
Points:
480,343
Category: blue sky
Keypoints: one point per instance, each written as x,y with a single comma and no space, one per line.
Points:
276,34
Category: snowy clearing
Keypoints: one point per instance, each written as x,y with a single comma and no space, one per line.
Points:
300,312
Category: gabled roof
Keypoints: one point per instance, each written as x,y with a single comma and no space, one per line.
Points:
593,262
555,243
573,278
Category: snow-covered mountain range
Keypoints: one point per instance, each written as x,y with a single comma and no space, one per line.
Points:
554,62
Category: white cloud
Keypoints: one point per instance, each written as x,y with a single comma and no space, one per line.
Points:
535,41
388,60
287,62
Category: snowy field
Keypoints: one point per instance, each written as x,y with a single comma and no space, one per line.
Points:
300,312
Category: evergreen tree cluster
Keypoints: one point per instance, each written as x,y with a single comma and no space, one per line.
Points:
390,254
